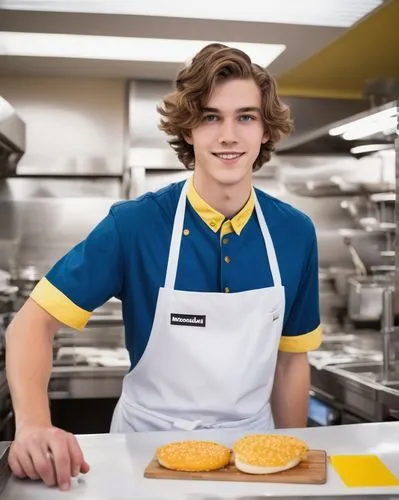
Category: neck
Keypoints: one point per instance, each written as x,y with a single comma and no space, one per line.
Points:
226,199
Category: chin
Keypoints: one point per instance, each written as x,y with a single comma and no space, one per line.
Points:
231,178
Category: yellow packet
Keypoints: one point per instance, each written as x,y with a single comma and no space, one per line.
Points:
363,471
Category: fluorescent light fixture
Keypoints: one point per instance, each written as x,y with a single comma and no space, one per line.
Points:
382,121
337,13
387,127
122,48
365,121
369,148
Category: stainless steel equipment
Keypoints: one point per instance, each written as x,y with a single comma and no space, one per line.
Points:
365,298
12,139
338,187
7,425
385,205
340,277
5,471
348,378
357,261
318,140
365,291
8,298
387,330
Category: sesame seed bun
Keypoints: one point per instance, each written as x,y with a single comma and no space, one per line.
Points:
193,456
268,453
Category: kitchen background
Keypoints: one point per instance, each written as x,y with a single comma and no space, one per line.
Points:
89,137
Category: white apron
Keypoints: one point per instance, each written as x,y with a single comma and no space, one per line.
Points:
211,357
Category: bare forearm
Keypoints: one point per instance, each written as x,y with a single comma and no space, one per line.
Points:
291,390
29,356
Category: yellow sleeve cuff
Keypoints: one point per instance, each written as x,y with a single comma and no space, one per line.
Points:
58,305
302,343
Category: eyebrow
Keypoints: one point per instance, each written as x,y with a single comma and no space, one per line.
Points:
246,109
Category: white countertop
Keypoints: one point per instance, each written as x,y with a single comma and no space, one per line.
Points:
117,463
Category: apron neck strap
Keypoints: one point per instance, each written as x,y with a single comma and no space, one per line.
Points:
175,243
271,253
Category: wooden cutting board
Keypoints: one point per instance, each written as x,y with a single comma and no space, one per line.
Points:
313,470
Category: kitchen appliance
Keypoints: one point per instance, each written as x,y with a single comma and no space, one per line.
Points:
7,424
366,288
340,277
5,471
12,139
375,212
8,296
365,297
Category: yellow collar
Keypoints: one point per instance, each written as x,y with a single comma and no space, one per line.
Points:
215,219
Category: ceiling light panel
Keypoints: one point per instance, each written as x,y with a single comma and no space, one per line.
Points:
384,121
371,120
369,148
121,48
333,13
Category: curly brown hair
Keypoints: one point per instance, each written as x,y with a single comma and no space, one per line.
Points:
182,109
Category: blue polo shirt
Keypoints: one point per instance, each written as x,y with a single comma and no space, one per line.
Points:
126,254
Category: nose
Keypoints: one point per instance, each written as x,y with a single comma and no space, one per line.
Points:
227,132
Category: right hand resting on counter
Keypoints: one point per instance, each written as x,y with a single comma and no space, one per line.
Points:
47,453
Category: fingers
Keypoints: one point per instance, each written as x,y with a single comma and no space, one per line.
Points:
58,445
44,464
79,463
22,464
76,455
49,454
84,468
13,462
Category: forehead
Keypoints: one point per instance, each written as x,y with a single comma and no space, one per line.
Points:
234,94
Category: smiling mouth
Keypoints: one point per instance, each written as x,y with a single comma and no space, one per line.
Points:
228,156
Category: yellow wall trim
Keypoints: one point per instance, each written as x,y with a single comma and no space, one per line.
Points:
324,93
366,51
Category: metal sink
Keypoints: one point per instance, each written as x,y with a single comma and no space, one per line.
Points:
392,385
389,397
362,384
373,372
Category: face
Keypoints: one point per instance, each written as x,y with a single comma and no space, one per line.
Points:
227,142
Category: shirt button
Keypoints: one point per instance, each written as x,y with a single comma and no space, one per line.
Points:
225,241
227,259
212,223
227,290
186,232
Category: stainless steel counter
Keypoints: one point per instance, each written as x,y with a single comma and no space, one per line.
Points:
118,461
346,373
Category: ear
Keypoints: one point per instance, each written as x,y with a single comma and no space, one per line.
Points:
188,138
265,138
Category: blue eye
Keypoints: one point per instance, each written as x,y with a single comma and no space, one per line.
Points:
247,118
210,118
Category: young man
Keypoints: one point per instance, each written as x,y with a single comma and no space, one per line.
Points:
219,283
